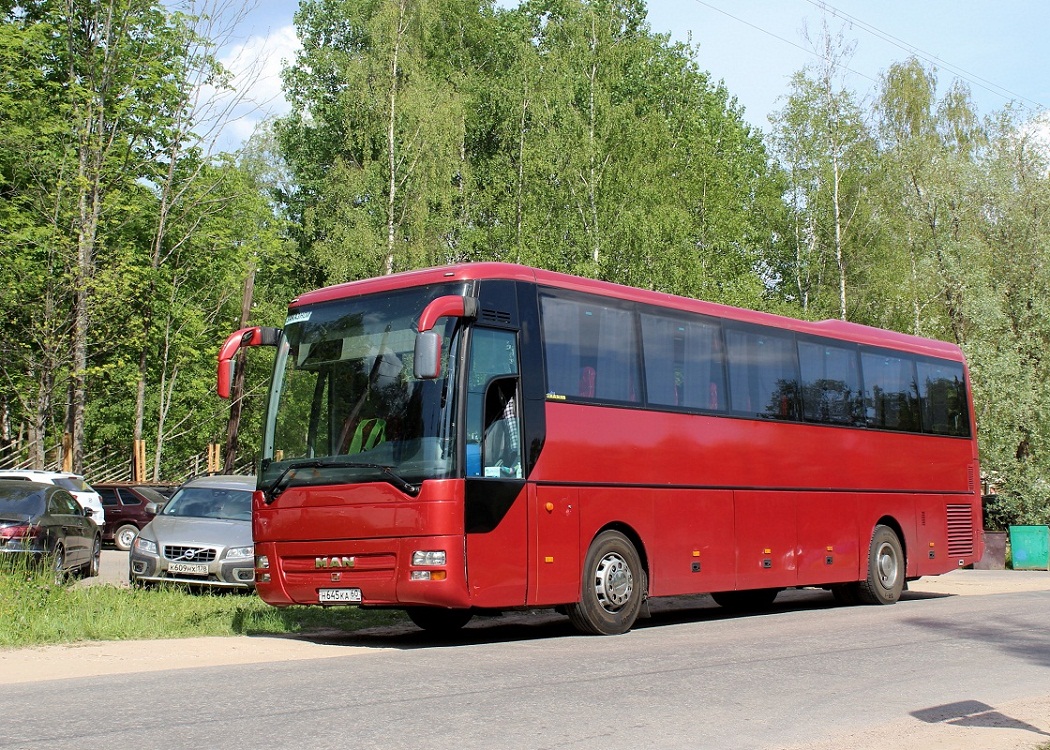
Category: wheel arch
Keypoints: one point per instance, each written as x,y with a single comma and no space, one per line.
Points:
894,525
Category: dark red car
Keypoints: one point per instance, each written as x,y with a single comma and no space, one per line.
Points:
126,512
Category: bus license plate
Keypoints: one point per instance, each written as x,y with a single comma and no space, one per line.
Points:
193,569
339,595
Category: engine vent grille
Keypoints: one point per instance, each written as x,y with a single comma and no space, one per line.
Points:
960,530
495,316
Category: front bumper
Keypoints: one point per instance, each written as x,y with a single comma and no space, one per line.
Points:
218,573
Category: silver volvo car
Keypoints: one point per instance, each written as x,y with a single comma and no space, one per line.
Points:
201,537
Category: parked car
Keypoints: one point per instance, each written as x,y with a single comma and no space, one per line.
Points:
45,523
126,510
202,537
72,483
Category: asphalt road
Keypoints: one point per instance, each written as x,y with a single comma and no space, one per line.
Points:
113,568
689,677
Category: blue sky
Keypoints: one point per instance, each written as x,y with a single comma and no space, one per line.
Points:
1000,48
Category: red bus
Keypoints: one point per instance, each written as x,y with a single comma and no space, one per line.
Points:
488,437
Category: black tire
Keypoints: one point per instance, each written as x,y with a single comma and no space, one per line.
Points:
754,600
124,537
614,587
886,569
91,567
436,620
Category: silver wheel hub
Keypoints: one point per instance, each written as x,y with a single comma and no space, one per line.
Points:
887,566
613,582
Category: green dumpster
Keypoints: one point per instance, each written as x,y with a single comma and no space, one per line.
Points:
1030,547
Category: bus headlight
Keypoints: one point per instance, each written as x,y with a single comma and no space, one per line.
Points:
429,557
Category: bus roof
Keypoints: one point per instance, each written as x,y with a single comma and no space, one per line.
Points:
836,329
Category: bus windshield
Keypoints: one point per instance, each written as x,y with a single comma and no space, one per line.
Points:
344,405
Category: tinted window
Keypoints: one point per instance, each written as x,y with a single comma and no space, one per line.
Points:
62,503
18,502
763,378
683,362
591,350
890,392
942,392
211,502
74,484
830,383
109,495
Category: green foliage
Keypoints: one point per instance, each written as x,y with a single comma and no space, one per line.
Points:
949,240
124,248
558,134
35,610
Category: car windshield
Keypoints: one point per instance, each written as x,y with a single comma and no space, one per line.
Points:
211,502
344,404
151,495
73,484
16,501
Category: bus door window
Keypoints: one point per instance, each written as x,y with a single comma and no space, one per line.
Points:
493,429
501,444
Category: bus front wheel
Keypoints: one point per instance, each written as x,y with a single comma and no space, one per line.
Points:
885,580
614,586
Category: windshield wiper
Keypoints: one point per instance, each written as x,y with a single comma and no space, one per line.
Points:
284,479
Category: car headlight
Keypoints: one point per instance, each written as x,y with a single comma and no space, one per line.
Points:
145,546
240,553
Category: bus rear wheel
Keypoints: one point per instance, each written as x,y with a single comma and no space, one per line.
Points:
437,620
614,586
886,569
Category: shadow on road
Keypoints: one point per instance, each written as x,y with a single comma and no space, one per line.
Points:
547,623
974,714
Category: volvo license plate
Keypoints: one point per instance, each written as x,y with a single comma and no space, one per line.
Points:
193,569
338,595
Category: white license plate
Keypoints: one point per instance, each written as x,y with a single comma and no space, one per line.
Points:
339,595
193,569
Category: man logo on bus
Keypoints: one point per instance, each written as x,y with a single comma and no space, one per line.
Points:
334,562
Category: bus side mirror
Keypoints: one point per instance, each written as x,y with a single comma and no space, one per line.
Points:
254,336
426,360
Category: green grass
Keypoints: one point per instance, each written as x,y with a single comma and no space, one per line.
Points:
36,610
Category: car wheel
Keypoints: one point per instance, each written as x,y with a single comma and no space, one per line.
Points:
125,537
91,567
